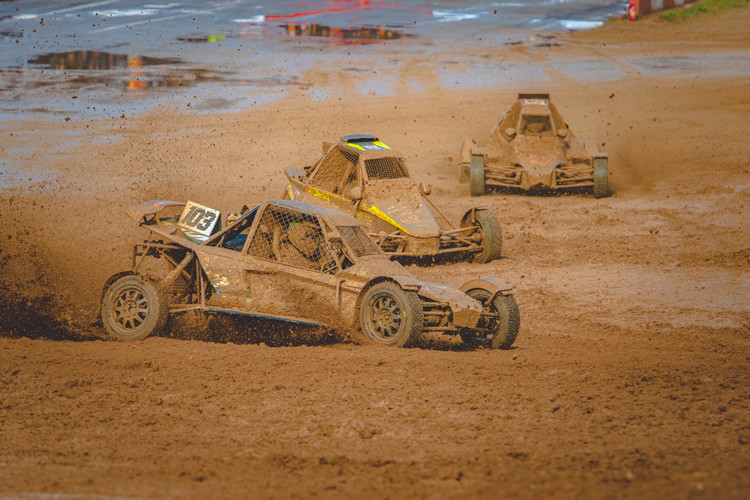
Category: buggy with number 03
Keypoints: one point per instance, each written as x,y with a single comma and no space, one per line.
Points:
363,176
296,262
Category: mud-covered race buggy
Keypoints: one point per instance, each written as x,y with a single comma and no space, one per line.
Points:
533,148
363,176
292,261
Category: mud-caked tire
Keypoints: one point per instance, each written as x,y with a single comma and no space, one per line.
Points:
464,161
502,329
391,316
133,308
476,175
601,178
492,235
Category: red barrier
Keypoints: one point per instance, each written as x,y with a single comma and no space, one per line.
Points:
640,7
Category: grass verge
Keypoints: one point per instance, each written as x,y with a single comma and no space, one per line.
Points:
700,8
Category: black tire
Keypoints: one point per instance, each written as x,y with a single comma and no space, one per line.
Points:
492,235
601,178
134,308
476,175
391,316
501,330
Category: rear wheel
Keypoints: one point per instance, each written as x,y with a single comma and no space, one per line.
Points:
476,175
491,235
391,316
134,308
601,178
502,328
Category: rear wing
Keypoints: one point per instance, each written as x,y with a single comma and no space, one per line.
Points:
533,96
138,212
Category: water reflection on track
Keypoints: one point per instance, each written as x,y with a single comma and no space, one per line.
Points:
335,34
125,56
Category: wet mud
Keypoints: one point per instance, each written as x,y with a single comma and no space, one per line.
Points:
629,375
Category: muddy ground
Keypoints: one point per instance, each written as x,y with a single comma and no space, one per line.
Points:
629,378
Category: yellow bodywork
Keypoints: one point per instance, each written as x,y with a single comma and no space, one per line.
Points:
362,212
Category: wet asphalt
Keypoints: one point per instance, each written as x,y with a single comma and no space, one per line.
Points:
100,59
103,59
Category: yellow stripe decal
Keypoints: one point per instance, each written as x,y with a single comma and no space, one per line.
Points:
356,146
363,213
381,215
325,195
382,145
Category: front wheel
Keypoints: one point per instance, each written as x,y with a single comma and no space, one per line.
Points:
390,315
491,235
500,323
601,178
134,308
476,175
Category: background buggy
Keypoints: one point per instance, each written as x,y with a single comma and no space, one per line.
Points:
363,176
533,148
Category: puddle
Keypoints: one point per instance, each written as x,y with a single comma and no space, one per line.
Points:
10,34
204,39
356,35
363,34
93,60
94,68
579,25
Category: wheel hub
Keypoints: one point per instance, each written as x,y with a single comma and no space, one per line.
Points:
130,309
384,318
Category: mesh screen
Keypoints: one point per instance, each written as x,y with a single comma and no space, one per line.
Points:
358,240
385,168
332,169
291,238
536,124
351,181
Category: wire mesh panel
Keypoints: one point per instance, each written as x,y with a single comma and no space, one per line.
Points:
385,168
350,182
358,240
290,237
333,168
536,124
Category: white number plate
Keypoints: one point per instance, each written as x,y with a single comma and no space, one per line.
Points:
198,220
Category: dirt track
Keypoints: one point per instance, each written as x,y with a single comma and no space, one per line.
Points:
630,374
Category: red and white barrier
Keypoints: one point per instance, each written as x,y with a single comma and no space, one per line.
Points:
640,7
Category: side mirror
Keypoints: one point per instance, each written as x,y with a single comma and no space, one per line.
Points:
425,189
510,131
562,133
327,146
356,193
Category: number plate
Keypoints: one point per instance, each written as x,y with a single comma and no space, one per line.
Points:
198,221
